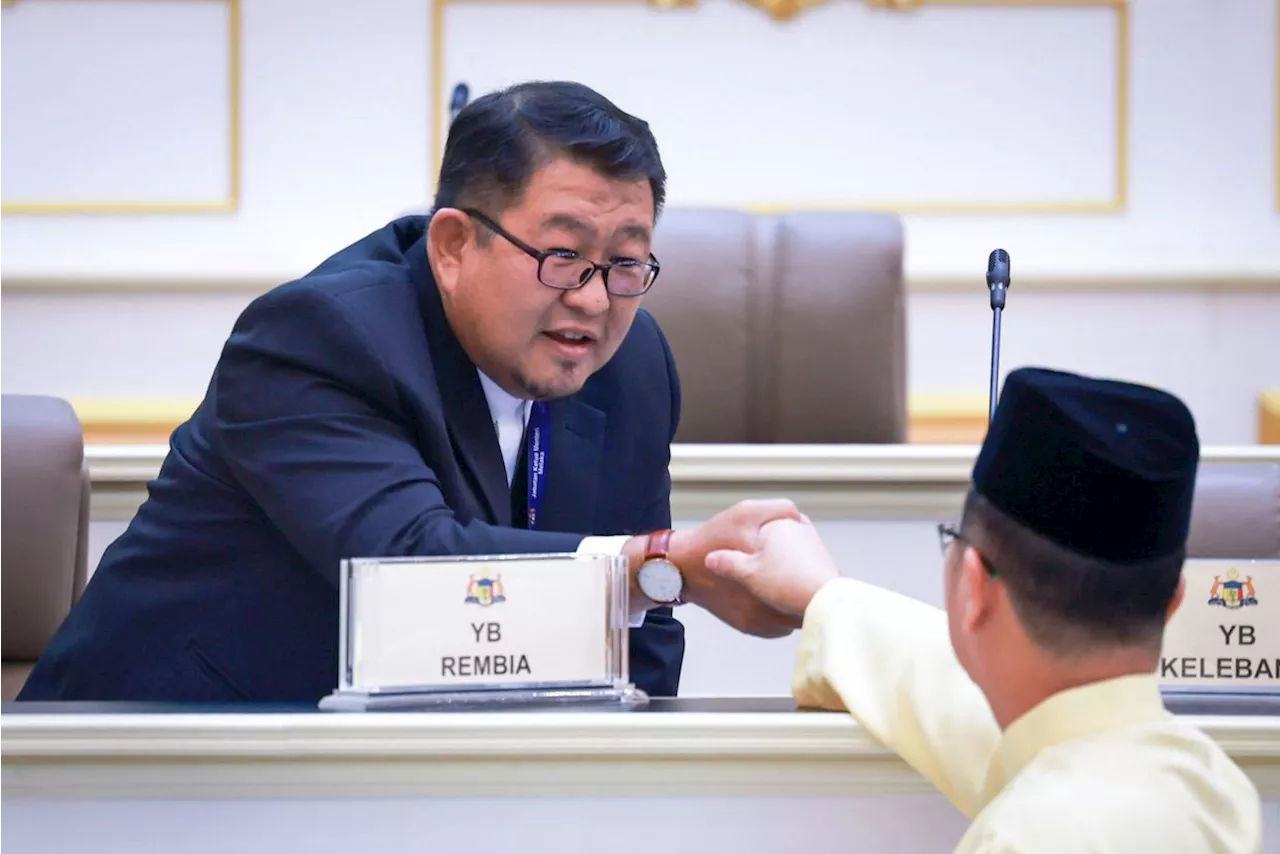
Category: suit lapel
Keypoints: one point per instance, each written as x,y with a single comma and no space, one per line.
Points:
466,412
475,442
573,467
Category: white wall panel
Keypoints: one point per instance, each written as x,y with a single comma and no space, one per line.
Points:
845,105
1217,351
953,103
118,103
335,142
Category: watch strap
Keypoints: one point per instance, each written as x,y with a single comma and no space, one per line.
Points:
658,545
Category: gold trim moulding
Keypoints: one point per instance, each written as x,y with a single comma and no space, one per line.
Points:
933,418
143,206
1269,417
938,419
785,9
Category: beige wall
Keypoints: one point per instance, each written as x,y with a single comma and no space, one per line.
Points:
1125,153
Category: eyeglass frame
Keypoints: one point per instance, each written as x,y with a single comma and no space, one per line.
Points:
947,533
541,255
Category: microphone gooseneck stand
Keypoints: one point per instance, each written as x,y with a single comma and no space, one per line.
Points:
996,309
998,283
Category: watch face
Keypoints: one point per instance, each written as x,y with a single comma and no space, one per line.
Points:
660,580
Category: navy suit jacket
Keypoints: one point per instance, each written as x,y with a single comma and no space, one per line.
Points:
344,419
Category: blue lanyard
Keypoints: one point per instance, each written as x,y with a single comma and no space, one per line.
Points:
539,447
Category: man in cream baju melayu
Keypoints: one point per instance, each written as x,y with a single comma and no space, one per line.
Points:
1032,701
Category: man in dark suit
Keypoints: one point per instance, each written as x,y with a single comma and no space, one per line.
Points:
378,407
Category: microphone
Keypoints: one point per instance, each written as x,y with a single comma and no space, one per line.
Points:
461,94
998,277
998,284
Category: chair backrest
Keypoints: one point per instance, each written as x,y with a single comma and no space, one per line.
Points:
787,328
45,518
1236,513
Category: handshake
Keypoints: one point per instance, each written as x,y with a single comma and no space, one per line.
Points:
756,566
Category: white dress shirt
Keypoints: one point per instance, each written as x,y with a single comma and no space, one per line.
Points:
510,418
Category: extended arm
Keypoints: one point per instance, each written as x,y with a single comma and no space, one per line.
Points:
884,658
887,660
308,418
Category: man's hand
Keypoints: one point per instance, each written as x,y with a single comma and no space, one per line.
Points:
737,529
784,572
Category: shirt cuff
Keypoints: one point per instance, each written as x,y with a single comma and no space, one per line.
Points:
613,546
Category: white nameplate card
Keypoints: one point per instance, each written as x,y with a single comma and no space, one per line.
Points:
1226,633
493,629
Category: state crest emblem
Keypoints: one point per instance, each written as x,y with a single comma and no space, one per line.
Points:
485,591
1233,593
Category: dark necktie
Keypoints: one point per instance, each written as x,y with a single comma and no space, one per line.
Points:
520,486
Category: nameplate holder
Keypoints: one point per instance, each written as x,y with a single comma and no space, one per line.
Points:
1221,651
495,631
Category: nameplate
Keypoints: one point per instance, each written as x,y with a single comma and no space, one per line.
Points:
1226,632
427,625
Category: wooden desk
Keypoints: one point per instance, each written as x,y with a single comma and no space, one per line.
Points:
707,775
882,482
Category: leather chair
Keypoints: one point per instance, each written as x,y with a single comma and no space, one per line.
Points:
787,328
44,509
1236,512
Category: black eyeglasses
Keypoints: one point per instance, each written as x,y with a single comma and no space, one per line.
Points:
949,533
566,270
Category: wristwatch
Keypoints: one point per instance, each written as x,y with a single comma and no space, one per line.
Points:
659,579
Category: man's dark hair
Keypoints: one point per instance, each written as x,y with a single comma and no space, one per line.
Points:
497,142
1070,603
